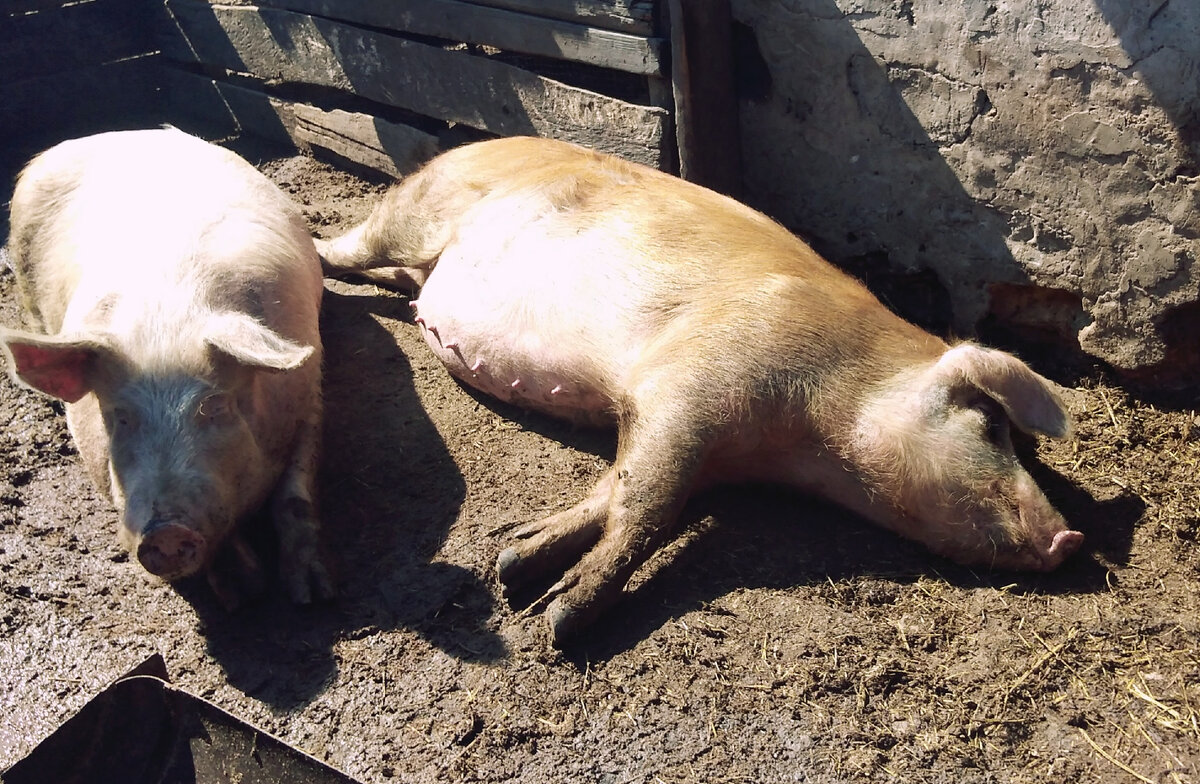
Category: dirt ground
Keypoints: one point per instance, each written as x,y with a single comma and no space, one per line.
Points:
780,639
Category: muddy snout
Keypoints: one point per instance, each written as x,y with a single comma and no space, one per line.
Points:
171,550
1042,549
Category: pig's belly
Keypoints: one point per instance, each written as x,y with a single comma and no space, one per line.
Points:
538,332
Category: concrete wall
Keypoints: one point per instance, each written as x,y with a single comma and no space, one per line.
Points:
1039,156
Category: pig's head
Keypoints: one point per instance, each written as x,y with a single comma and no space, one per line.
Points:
935,451
173,423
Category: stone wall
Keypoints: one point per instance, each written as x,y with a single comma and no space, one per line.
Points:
1039,156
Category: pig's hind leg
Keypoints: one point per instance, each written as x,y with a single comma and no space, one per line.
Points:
297,526
397,246
349,257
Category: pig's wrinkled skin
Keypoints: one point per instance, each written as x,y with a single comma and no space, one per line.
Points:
723,348
176,293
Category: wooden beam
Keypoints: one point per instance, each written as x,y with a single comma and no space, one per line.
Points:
510,31
454,86
630,16
707,131
388,147
216,109
23,7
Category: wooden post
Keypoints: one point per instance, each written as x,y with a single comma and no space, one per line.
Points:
707,133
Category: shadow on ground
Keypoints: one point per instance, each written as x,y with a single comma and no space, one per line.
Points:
390,491
760,536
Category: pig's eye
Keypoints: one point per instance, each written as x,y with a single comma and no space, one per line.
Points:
214,408
123,419
995,420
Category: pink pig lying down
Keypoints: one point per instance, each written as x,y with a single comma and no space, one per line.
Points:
177,293
722,347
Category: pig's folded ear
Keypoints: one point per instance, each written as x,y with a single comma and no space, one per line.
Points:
252,344
1030,400
60,367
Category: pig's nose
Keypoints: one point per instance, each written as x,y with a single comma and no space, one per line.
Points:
171,550
1062,546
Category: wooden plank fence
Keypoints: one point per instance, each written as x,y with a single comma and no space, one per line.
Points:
383,84
72,68
455,20
631,16
284,48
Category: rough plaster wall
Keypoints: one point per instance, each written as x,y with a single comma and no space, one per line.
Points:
1040,156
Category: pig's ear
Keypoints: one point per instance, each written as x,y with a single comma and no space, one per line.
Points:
1030,401
61,368
252,344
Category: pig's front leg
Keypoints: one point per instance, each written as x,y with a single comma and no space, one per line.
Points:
236,573
552,545
294,513
657,461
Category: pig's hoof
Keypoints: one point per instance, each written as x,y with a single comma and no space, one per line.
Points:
236,574
564,621
234,588
227,595
506,564
309,581
171,550
300,567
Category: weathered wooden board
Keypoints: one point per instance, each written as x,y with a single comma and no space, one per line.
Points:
631,16
216,109
453,86
22,7
57,39
510,31
388,147
36,113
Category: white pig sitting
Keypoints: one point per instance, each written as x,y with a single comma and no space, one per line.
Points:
178,290
723,348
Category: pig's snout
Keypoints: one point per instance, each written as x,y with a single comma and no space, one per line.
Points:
171,550
1062,546
1050,540
1042,549
1034,553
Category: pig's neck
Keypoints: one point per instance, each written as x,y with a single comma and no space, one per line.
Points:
881,430
871,361
845,447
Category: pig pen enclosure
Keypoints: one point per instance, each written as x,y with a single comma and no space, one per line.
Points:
780,638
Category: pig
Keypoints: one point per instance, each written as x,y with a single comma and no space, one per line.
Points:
722,347
173,293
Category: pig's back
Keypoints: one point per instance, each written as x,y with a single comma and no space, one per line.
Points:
123,224
559,279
